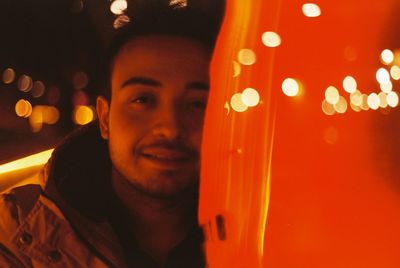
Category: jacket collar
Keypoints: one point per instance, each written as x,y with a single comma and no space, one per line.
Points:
78,182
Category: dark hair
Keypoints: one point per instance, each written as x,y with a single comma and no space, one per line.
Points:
183,23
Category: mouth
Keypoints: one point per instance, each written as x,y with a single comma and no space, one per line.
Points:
167,158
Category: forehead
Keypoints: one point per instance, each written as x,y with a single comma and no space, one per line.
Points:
161,55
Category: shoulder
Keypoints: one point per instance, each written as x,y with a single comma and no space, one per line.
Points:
15,204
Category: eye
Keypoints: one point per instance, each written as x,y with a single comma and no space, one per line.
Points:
143,99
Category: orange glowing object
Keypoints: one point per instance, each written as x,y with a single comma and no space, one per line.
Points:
334,199
234,192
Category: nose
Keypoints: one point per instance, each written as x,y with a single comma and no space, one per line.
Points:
167,124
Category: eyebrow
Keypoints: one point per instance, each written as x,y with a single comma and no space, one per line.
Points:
146,81
139,80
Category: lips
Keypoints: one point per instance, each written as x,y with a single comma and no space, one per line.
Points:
166,156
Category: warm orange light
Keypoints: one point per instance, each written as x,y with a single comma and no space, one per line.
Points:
8,76
36,118
118,7
290,87
236,69
373,101
250,97
387,56
23,108
83,115
25,83
386,87
247,56
121,21
349,84
26,162
341,105
382,100
271,39
382,76
392,99
51,115
327,108
356,98
237,103
178,3
395,72
311,10
332,95
38,89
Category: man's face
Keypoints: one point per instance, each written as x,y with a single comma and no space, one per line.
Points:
155,118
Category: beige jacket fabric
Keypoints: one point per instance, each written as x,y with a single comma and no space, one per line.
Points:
71,218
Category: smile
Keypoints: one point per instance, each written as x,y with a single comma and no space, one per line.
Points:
166,157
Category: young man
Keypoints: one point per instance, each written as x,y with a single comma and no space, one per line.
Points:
122,192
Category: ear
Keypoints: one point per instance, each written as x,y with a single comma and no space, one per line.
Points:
103,109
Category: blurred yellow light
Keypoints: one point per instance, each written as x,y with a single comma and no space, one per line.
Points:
382,100
118,6
227,107
327,108
373,101
290,87
38,89
382,76
341,105
392,99
395,72
178,3
23,108
311,10
349,84
387,56
36,118
26,162
25,83
246,56
356,98
236,69
332,95
364,103
8,76
355,107
83,115
51,115
121,21
237,103
386,87
250,97
271,39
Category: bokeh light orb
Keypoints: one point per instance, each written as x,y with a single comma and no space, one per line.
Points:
8,76
311,10
349,84
247,56
332,95
290,87
392,99
237,103
382,76
250,97
271,39
373,101
387,56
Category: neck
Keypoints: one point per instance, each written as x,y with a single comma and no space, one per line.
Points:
158,224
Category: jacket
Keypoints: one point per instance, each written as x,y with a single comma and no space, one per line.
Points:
69,218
